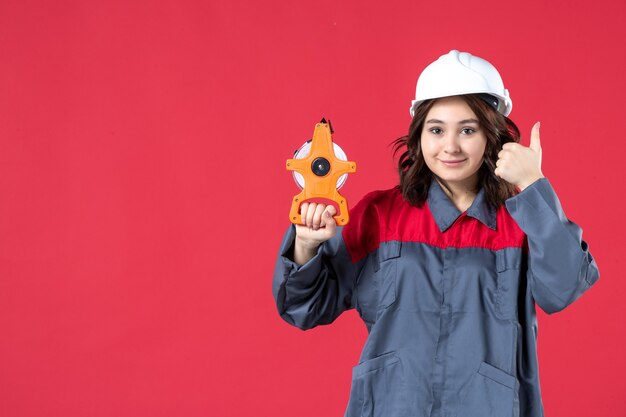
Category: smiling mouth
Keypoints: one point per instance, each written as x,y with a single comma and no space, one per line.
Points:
453,162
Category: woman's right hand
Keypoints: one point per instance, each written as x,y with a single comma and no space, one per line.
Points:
318,227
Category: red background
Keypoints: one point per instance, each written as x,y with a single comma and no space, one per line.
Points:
144,196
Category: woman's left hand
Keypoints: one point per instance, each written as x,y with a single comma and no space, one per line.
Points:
521,165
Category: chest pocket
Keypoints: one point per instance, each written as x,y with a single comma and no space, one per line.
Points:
509,267
385,267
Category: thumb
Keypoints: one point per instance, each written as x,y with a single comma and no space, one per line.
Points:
329,221
535,142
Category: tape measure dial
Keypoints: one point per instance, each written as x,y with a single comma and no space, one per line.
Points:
304,151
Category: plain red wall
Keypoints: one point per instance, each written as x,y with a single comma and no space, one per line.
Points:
143,191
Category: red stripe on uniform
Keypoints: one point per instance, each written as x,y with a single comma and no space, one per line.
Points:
382,216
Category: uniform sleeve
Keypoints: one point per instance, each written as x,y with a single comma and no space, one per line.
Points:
320,290
560,267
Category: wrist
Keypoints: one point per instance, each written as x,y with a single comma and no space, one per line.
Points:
304,251
306,246
523,185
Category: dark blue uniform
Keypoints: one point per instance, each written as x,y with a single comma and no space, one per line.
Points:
448,299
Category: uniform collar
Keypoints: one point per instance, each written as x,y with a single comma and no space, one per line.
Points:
445,213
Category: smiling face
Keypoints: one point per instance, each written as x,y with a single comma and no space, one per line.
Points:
453,144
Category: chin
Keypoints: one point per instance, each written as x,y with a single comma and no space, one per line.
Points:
457,177
454,177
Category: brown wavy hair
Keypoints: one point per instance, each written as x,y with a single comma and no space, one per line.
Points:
416,177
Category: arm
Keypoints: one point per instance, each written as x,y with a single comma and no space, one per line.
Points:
560,267
318,291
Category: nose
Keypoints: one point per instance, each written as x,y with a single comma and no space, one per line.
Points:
451,144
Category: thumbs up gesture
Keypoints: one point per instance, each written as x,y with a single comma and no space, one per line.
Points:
521,165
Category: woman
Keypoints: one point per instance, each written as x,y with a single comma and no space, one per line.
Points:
444,269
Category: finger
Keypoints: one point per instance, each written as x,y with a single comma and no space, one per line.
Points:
303,209
505,153
331,211
317,216
329,222
310,213
535,141
498,172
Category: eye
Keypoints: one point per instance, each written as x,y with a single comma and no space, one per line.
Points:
435,130
468,131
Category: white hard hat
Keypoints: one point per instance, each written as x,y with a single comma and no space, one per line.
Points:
457,73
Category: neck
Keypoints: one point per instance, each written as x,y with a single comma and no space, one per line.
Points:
461,195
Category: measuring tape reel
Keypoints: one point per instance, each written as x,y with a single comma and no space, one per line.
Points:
320,167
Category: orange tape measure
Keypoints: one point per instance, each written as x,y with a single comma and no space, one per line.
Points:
320,173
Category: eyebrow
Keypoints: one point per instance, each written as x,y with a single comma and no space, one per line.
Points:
462,122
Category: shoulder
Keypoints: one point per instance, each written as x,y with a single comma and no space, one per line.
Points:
376,204
382,195
368,219
380,199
